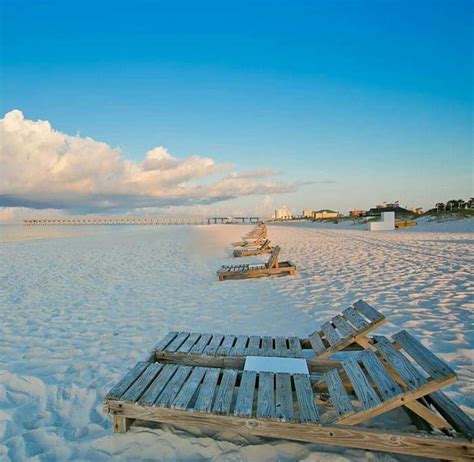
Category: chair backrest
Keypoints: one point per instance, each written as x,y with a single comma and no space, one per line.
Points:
273,260
399,376
265,244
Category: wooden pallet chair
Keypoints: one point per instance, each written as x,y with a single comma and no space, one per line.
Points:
336,411
264,247
272,268
249,242
230,350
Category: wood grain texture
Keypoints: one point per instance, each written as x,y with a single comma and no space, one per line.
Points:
245,396
266,395
337,392
189,388
361,385
142,383
306,403
122,386
283,397
352,437
207,391
368,311
173,386
225,392
157,386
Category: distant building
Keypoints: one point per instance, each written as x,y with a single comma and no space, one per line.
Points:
387,207
357,213
308,213
283,214
323,214
417,210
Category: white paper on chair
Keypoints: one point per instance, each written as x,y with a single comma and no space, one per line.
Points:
276,364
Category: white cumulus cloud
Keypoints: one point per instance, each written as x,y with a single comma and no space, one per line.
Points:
42,168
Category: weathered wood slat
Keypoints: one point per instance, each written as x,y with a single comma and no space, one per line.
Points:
436,447
317,343
201,344
158,385
337,392
361,385
226,345
387,387
186,393
164,342
225,392
174,385
452,413
207,391
330,333
240,344
306,404
343,326
433,365
295,347
273,260
401,365
267,347
283,397
355,318
142,383
126,382
368,311
253,346
213,344
266,396
244,403
189,343
177,342
281,348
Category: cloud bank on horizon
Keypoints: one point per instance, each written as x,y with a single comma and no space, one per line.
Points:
42,168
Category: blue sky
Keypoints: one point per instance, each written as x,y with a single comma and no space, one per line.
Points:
367,100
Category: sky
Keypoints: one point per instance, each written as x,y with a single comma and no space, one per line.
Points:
211,107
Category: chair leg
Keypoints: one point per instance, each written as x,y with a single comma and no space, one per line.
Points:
121,424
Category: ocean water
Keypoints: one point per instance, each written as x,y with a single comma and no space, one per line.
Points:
80,305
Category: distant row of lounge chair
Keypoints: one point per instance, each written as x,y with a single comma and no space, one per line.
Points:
210,380
256,243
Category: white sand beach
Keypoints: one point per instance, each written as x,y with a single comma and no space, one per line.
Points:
79,308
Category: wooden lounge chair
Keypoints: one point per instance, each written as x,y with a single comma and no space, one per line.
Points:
348,331
293,406
265,247
272,268
249,242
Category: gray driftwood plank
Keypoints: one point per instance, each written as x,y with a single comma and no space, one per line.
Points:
177,342
239,348
174,385
121,387
213,344
244,403
158,384
295,347
201,344
226,345
225,392
400,364
433,365
142,383
253,346
355,318
189,343
280,347
189,388
330,333
283,397
337,392
317,343
387,387
207,391
306,404
267,347
368,311
343,326
266,396
164,342
362,387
